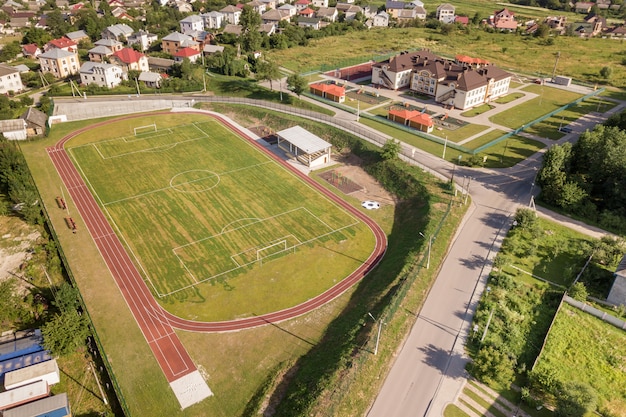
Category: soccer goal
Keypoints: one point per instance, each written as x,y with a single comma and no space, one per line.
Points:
270,250
145,129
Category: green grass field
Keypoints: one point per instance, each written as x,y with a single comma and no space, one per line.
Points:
583,348
207,216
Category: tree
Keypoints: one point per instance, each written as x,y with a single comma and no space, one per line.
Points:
543,31
391,149
65,332
578,292
66,298
606,72
575,400
10,51
553,174
526,219
296,83
250,22
493,366
37,36
267,71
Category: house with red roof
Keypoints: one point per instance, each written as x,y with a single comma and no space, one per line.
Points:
412,118
308,12
302,4
129,59
65,44
332,92
31,50
190,53
503,20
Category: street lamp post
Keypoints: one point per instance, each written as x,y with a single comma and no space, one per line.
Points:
378,335
430,244
445,145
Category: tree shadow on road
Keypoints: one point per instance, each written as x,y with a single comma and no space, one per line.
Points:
441,359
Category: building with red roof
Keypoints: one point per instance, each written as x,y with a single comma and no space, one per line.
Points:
190,53
308,12
332,92
31,50
65,44
129,59
413,118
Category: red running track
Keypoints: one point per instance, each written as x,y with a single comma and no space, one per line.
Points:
157,324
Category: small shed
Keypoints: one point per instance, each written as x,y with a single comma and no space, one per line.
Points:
308,148
617,295
47,371
35,122
13,129
54,406
412,118
332,92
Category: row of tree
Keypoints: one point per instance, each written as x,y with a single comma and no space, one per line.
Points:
588,179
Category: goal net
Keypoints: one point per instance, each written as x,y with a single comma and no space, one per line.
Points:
145,129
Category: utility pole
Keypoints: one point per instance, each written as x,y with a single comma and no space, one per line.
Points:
558,55
445,145
377,336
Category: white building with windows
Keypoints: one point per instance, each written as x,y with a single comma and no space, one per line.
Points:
446,13
10,79
192,23
101,74
213,20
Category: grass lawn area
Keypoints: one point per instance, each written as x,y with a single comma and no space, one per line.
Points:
245,226
585,349
484,139
483,108
549,100
511,151
524,54
509,97
457,135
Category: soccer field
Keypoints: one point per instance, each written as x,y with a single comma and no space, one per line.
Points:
218,229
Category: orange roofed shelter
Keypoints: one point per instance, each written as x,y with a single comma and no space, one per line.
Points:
412,118
332,92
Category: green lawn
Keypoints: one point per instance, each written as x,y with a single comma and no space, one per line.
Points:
511,151
549,99
483,108
509,97
484,139
585,349
207,216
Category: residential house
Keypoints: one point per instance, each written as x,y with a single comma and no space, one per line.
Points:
268,28
101,74
407,15
617,294
308,13
21,20
13,129
31,50
320,3
129,59
59,63
327,13
175,41
603,4
302,4
151,79
213,20
212,49
257,5
309,22
233,29
393,7
192,54
412,118
583,7
446,13
99,53
78,36
35,122
463,20
10,80
23,69
160,64
143,39
182,6
119,32
61,43
270,4
191,23
331,92
231,14
274,16
557,23
617,32
349,10
503,20
381,19
289,8
112,44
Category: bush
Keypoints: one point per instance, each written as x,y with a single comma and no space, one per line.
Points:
493,367
578,292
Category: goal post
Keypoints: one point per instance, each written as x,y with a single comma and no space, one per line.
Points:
145,129
269,250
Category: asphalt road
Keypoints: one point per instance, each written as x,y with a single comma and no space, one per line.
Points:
429,370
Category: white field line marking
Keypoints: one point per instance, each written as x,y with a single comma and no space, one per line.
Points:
114,225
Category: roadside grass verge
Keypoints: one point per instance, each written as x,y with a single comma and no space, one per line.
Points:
511,151
475,111
484,139
583,348
509,97
454,411
549,100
